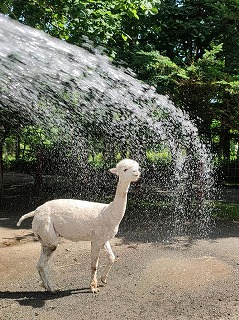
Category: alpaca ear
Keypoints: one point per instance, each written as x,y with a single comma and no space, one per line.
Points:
113,170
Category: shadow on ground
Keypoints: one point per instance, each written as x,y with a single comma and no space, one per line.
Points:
37,299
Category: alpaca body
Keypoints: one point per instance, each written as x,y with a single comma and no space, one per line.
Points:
72,219
78,220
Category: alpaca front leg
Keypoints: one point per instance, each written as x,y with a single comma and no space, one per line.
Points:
43,268
111,258
95,252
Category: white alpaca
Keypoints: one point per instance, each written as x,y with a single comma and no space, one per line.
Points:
78,220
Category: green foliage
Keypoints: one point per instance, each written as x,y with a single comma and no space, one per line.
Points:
209,68
96,160
161,156
103,22
25,143
187,49
35,137
157,70
226,210
3,6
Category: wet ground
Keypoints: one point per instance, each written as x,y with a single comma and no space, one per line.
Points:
182,279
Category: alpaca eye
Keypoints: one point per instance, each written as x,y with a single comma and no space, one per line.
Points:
125,169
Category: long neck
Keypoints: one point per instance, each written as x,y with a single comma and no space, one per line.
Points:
120,201
121,194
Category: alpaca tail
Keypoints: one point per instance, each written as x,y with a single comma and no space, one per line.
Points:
25,216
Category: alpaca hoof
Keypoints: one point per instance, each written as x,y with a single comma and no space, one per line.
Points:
55,291
95,290
52,290
49,289
93,287
104,279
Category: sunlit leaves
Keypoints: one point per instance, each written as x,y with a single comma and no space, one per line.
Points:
4,7
103,22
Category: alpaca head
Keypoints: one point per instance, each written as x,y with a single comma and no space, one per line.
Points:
127,170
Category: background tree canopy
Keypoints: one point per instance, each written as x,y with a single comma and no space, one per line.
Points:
186,49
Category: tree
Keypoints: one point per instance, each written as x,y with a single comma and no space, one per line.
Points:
102,21
187,49
190,53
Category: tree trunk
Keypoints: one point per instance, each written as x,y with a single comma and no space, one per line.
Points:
1,171
17,147
38,183
224,147
231,47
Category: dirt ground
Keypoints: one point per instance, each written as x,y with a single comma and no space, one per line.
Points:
177,280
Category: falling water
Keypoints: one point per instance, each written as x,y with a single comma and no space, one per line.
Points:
78,96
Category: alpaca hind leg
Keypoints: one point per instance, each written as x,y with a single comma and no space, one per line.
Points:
111,258
43,228
95,252
43,268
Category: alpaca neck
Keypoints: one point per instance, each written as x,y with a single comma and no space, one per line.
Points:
120,201
120,198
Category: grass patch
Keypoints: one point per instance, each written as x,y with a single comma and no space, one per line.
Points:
226,210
